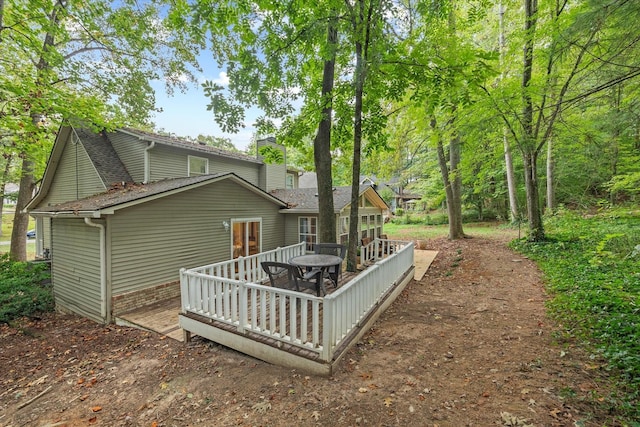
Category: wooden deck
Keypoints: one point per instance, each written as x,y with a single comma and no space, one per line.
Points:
162,317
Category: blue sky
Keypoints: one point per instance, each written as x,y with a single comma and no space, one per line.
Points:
185,114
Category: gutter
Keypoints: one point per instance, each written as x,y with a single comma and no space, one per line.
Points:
147,162
103,268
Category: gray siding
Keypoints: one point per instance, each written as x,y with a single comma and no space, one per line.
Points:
75,177
75,268
152,241
171,162
292,234
131,153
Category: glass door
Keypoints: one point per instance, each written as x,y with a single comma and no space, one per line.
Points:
246,239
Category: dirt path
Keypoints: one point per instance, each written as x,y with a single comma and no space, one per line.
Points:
468,345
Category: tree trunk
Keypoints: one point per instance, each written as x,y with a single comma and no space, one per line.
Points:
536,230
3,186
27,182
528,144
511,180
322,146
21,220
354,223
551,199
361,44
452,183
455,220
508,160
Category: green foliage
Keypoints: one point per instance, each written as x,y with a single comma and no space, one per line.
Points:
24,289
592,265
271,154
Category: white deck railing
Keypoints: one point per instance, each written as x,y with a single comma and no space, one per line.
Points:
314,323
378,249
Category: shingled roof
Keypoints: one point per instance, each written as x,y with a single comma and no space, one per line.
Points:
306,199
182,143
104,157
131,193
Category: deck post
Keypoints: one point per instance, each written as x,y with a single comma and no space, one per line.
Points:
328,309
184,291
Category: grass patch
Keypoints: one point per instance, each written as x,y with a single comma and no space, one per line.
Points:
24,289
7,227
422,231
592,266
31,249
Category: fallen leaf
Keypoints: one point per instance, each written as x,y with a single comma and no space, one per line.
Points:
261,407
92,420
154,424
510,420
388,401
96,408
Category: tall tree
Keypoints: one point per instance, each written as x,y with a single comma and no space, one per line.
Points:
508,159
86,61
562,46
322,140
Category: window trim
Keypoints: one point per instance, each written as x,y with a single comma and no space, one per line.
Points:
314,235
206,165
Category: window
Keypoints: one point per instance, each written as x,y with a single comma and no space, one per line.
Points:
308,231
246,237
344,229
290,181
364,226
198,166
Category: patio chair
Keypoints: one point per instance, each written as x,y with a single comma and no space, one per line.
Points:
334,272
287,276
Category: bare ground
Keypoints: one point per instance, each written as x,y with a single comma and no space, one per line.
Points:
469,345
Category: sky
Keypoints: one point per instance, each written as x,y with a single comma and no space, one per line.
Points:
186,114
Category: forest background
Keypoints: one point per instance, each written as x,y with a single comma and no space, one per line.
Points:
510,108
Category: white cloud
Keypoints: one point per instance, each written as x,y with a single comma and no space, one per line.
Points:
222,79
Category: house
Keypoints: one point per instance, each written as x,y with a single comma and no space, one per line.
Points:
302,219
119,213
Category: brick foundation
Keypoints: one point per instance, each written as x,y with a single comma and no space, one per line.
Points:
136,299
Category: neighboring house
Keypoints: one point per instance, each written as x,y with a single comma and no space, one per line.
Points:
401,198
120,213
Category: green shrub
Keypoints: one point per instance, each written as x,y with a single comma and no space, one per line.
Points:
592,267
24,289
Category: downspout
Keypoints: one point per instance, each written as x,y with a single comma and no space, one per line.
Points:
147,162
103,268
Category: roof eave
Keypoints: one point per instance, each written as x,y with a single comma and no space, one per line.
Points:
70,214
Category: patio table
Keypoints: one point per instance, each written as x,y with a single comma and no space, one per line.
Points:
317,262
